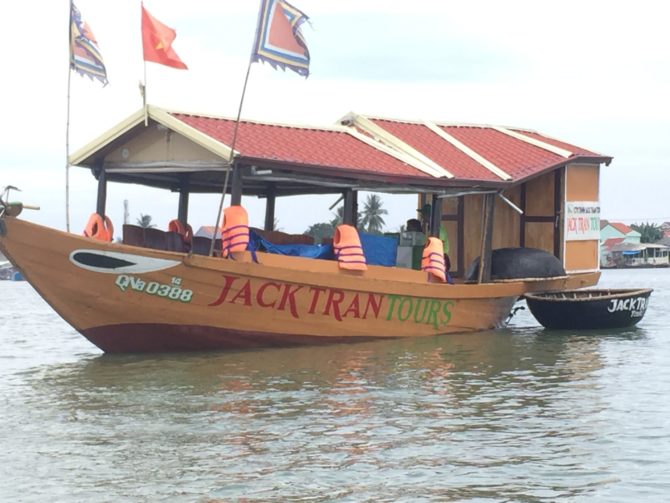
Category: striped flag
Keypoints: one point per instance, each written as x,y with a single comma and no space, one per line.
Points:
278,37
85,57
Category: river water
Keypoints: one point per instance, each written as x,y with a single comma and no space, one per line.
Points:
518,414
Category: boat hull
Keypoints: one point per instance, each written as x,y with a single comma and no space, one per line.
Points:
589,309
130,299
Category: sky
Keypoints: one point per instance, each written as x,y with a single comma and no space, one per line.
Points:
593,73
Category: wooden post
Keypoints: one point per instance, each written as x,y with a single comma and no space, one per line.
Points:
236,189
270,199
182,214
102,188
349,214
484,275
435,216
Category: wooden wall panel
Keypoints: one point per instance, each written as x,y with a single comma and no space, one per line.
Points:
581,256
540,196
540,235
449,206
452,234
582,182
472,228
507,221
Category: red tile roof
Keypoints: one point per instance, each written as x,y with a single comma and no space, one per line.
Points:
516,157
421,138
320,147
336,149
609,243
622,228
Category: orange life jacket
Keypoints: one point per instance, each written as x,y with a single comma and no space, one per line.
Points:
348,249
185,231
234,230
99,228
432,259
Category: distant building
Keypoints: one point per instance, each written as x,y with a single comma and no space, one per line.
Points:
665,229
620,246
614,234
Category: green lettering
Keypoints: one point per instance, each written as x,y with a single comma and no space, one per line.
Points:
446,310
417,308
434,309
393,298
405,300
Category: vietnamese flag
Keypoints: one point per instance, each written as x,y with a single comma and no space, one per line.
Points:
157,41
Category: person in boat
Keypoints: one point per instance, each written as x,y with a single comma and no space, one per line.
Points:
413,225
425,213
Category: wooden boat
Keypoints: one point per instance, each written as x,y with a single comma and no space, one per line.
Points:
124,297
589,309
129,299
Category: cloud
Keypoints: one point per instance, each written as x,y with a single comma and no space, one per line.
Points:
593,73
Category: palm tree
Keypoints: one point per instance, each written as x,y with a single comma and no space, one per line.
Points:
650,233
338,217
275,225
145,221
372,220
320,231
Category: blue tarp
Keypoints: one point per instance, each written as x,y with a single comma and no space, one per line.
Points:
379,250
311,251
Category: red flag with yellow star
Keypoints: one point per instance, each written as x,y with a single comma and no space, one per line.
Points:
157,41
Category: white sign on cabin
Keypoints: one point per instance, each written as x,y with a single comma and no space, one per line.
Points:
582,220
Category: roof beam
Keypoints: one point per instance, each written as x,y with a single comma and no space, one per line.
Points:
534,141
394,145
467,151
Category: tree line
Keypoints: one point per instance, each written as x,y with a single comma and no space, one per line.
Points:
370,220
650,233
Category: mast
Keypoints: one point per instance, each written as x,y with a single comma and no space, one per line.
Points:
231,166
67,126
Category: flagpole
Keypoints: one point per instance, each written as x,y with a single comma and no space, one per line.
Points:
67,157
144,62
231,166
67,130
144,96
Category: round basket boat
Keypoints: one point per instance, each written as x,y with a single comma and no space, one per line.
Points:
588,309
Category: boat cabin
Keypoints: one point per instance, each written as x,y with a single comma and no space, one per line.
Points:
488,187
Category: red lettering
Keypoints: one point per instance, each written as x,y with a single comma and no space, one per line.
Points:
289,296
334,303
354,308
244,294
224,291
315,298
261,290
374,304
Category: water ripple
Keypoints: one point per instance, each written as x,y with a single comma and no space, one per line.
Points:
519,414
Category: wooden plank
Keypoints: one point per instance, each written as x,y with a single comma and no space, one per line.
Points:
540,235
582,182
487,240
581,255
